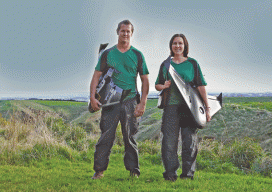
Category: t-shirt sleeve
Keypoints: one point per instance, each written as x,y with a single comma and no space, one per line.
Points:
162,75
102,62
97,68
144,70
200,79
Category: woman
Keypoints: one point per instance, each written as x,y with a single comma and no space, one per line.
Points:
176,115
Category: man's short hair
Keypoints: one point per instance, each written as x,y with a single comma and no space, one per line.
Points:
125,22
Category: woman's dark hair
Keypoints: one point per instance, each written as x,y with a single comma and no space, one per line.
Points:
186,45
125,22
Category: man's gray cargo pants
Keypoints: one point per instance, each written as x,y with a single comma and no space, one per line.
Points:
110,118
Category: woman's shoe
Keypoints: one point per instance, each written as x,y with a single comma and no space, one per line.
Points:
186,177
98,175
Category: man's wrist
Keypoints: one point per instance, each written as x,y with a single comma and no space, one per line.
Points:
92,97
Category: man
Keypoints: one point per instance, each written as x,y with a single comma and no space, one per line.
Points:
123,58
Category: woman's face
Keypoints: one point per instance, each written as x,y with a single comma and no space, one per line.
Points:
178,46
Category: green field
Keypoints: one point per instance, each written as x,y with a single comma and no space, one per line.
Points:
64,175
49,146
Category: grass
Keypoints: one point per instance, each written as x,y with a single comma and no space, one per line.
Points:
64,175
41,151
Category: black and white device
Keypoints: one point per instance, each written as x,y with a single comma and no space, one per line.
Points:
194,100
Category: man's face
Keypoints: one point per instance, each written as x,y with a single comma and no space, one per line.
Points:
125,33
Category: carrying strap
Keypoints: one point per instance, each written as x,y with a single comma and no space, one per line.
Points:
197,80
104,65
165,92
166,64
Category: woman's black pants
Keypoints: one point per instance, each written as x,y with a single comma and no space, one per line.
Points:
178,119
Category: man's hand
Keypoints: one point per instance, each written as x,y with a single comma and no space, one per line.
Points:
95,104
140,109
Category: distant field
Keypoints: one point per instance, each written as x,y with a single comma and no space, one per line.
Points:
254,102
246,99
60,103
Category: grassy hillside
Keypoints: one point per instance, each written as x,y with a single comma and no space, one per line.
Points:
32,130
240,117
69,111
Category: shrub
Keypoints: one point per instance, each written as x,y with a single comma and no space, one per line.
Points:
242,153
3,121
56,125
263,166
209,149
149,146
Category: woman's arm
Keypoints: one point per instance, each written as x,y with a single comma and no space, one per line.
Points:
203,94
166,85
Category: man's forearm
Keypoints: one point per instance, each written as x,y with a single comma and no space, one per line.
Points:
94,83
145,88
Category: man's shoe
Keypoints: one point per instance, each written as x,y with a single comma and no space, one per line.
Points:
186,177
98,175
174,178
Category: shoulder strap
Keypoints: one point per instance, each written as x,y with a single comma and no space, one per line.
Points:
166,64
104,65
196,81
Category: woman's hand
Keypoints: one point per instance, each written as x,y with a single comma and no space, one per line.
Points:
167,84
203,94
208,116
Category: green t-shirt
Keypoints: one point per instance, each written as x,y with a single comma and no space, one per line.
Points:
127,66
186,71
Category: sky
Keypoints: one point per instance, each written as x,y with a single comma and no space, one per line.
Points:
51,47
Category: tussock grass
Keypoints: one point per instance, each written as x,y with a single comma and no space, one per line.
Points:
28,136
